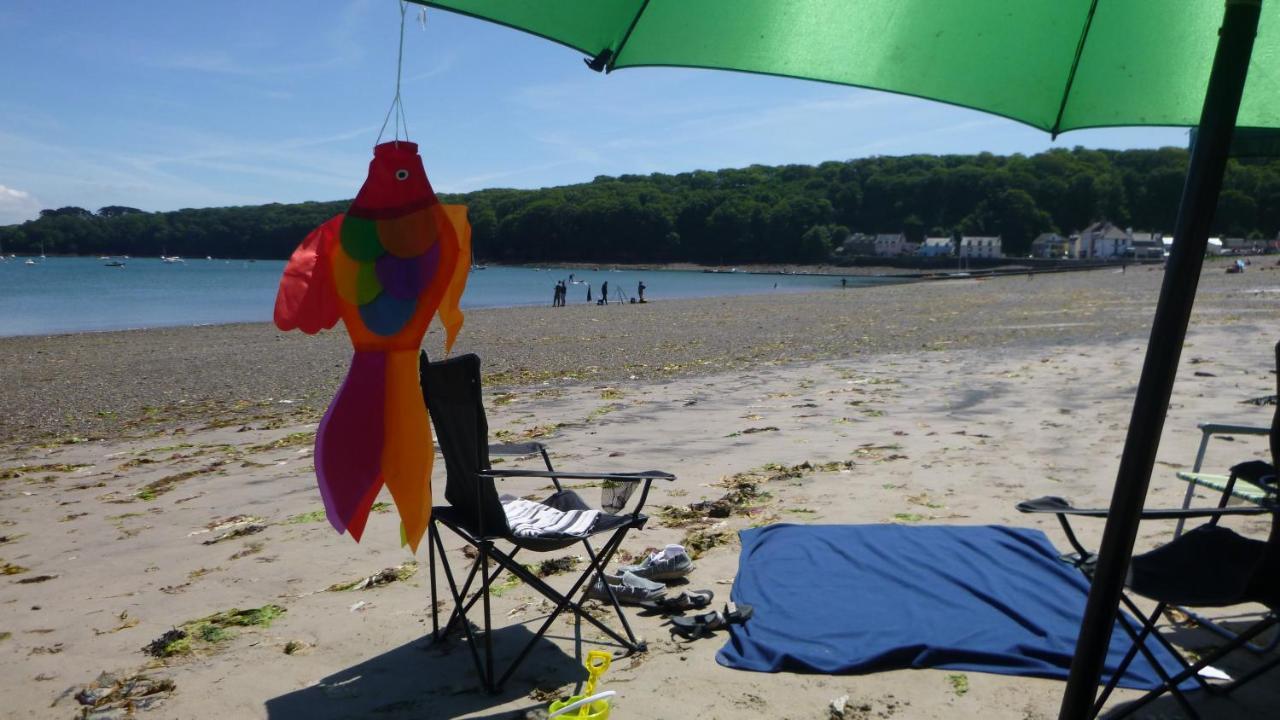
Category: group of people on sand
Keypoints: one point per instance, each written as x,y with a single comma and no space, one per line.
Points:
560,298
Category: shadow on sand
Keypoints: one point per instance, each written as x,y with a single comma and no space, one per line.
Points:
1258,699
424,680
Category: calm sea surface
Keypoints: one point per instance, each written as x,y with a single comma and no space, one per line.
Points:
64,295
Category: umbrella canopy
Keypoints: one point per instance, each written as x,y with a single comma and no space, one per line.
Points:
1056,65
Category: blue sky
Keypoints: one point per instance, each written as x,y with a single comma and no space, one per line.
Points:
165,105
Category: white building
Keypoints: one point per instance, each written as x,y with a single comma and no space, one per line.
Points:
937,247
1146,245
980,247
889,245
1101,240
1050,245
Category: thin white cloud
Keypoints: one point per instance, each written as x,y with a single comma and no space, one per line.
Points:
17,206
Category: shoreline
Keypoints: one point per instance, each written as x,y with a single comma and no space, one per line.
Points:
108,384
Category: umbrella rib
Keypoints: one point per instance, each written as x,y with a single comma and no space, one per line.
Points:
1075,63
627,36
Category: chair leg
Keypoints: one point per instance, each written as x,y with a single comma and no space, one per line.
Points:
457,603
431,560
1216,655
1217,629
464,600
1135,642
472,598
565,601
1139,645
1270,621
485,548
461,608
613,598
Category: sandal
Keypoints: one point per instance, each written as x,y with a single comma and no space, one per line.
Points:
685,601
706,623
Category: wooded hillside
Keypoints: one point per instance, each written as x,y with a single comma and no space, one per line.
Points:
789,213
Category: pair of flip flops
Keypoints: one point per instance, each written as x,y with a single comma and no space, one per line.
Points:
685,601
704,624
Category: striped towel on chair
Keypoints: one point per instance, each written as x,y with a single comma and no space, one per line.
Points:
528,519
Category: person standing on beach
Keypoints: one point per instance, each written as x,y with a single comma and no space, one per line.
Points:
844,282
640,290
604,292
588,292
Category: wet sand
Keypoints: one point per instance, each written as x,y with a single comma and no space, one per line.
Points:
108,384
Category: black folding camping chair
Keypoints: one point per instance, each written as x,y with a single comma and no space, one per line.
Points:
476,514
1210,566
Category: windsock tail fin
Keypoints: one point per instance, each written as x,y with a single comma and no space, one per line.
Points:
349,444
407,452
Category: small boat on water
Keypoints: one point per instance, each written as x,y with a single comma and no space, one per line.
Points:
170,259
114,263
29,262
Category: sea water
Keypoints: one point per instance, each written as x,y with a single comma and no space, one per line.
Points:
66,295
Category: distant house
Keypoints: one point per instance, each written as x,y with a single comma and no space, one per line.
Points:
1146,245
1050,245
1101,240
980,247
890,245
859,244
937,247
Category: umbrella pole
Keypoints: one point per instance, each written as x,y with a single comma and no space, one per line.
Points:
1195,214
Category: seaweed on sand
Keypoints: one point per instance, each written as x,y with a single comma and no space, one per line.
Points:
127,695
385,576
700,540
210,630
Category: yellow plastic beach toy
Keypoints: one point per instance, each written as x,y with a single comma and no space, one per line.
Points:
590,705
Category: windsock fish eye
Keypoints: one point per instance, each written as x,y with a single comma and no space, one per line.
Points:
402,174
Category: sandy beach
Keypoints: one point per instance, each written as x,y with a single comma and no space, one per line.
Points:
158,479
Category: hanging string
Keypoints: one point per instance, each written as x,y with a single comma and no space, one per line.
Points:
397,107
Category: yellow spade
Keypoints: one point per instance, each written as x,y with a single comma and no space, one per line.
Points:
590,705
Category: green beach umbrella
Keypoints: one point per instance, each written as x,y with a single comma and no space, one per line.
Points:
1057,65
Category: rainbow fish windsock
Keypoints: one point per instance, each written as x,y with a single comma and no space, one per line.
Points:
385,267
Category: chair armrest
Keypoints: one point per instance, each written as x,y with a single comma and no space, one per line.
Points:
1258,472
617,477
528,448
1229,429
1061,506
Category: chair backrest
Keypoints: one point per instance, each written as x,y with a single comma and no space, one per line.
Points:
1275,419
1266,577
451,389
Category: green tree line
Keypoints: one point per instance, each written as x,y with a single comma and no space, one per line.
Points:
788,213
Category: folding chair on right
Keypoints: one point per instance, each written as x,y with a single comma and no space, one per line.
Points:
1209,566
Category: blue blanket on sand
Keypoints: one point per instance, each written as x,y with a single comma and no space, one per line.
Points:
864,598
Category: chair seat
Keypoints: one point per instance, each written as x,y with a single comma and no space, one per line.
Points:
1210,566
